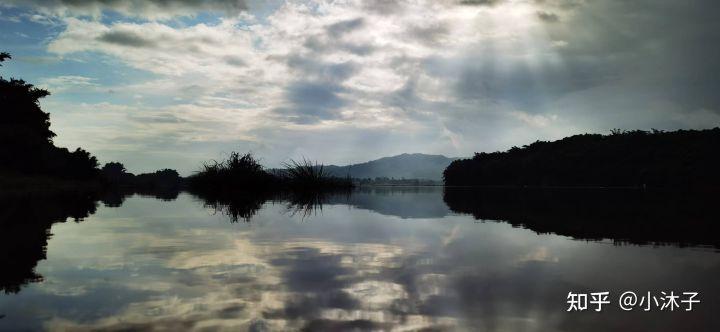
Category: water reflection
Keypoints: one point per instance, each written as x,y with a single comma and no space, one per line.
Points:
622,215
25,221
25,224
359,264
403,202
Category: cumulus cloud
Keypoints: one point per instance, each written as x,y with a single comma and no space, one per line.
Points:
64,83
548,16
310,102
126,38
151,9
383,7
634,49
368,78
479,2
159,48
338,29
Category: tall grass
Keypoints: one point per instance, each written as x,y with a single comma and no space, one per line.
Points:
238,172
306,175
239,186
244,173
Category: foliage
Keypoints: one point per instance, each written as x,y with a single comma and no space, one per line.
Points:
304,175
26,140
238,172
243,173
631,158
4,56
114,168
164,184
239,185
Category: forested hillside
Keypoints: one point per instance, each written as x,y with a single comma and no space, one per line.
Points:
634,158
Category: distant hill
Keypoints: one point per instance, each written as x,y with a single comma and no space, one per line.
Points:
408,166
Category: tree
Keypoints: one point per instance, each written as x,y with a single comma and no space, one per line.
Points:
4,56
114,167
21,110
623,158
26,141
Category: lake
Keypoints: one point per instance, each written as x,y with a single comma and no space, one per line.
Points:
383,259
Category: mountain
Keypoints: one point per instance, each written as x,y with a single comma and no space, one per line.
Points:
408,166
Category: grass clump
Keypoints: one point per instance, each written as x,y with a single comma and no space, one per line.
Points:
244,173
238,172
307,176
239,186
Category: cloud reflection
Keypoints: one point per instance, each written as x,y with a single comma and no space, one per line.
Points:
175,265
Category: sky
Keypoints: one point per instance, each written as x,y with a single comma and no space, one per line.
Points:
172,83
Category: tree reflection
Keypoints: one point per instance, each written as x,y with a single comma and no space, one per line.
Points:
623,215
26,220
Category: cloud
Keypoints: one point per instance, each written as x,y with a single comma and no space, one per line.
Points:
548,16
312,101
326,71
430,34
63,83
323,45
334,38
235,61
126,38
635,49
336,30
363,79
383,7
150,9
321,96
159,48
480,2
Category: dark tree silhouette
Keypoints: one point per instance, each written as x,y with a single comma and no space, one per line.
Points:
163,181
239,185
21,104
115,173
26,141
684,158
243,173
114,167
4,56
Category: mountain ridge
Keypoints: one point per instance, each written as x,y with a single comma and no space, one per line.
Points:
405,165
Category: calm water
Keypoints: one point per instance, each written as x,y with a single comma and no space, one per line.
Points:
405,260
